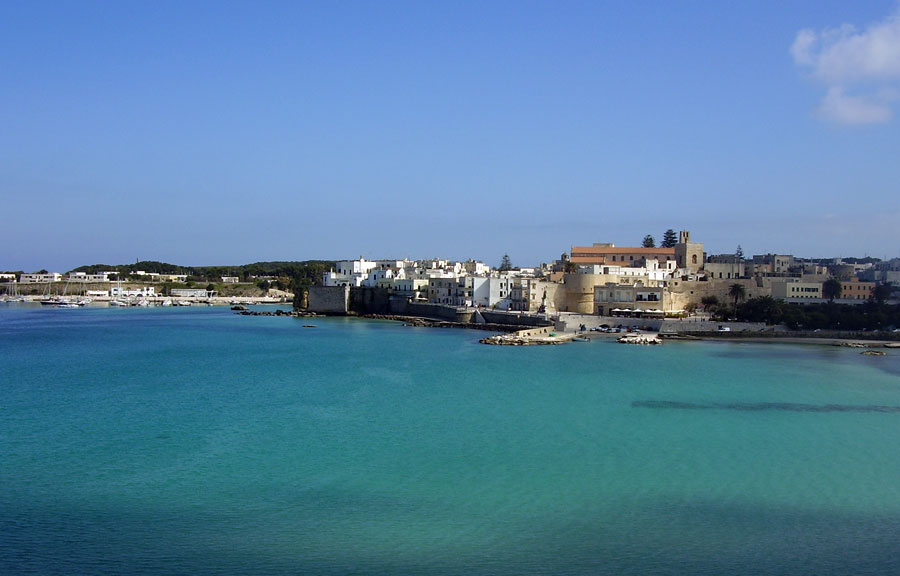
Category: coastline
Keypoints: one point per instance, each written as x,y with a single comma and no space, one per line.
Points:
795,339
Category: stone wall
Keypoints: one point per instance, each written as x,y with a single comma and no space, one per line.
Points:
513,318
579,292
426,310
692,325
369,300
683,292
329,299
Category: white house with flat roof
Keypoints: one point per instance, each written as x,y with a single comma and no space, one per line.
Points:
139,292
349,273
40,278
85,277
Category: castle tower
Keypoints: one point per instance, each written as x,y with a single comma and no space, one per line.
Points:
689,255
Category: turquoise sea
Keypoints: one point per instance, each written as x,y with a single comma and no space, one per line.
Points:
196,441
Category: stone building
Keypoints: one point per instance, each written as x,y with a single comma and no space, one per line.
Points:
688,255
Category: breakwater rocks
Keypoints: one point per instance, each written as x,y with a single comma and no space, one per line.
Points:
279,312
643,339
428,323
517,340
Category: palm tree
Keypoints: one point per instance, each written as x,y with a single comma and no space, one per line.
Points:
737,292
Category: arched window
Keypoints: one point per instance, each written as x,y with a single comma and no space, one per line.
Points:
694,259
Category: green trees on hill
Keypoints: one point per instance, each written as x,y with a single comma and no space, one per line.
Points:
309,271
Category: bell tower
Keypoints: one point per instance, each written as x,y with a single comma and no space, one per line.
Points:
689,255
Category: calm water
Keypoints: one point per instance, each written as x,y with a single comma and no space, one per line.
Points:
195,441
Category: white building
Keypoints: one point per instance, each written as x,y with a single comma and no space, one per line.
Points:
476,268
416,288
40,278
500,291
85,277
190,293
230,279
377,275
792,289
349,273
140,292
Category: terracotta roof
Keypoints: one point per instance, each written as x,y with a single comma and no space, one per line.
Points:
604,250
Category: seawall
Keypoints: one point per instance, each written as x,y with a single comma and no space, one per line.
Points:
364,300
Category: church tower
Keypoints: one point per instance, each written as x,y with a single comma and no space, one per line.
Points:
689,255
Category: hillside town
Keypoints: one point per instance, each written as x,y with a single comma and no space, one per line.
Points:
676,279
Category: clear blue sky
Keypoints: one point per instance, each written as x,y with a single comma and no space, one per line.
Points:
226,133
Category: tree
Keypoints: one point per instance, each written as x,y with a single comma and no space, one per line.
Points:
831,289
737,293
505,264
649,242
709,302
739,253
670,239
570,267
881,293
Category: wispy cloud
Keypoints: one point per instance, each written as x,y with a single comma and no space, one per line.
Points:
860,69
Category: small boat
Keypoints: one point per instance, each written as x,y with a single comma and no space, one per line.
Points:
581,339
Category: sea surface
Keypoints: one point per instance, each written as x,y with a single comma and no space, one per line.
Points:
196,441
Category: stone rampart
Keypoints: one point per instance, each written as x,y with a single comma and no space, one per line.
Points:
514,318
369,300
427,310
329,299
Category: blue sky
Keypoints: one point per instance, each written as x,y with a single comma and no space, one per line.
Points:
227,133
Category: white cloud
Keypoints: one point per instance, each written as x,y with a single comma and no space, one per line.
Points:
865,63
843,109
803,46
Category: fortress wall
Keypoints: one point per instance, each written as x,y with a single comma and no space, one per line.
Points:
329,299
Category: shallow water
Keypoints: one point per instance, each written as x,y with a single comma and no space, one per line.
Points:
196,441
